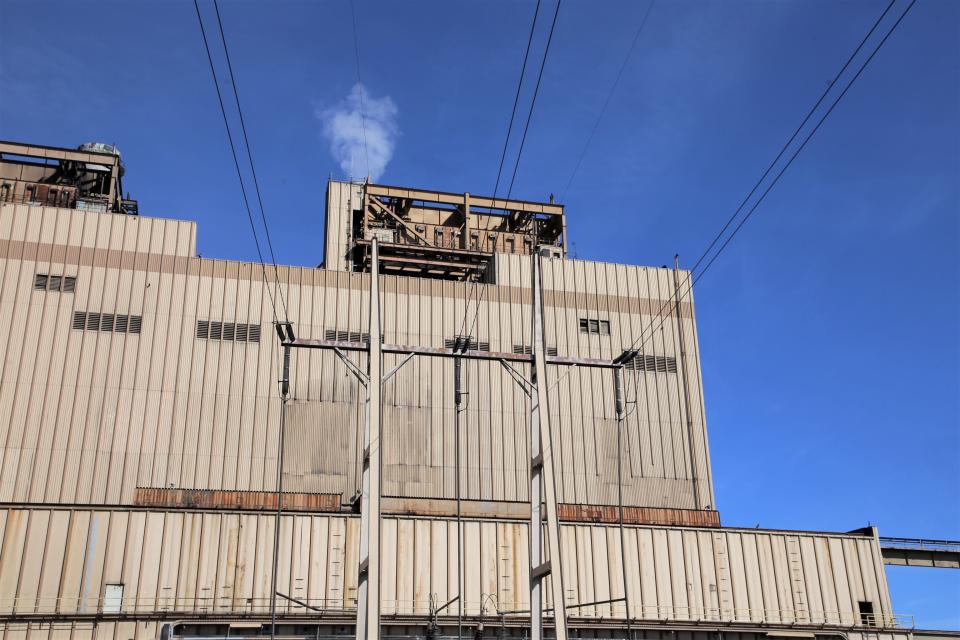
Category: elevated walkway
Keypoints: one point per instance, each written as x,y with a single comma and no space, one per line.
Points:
918,552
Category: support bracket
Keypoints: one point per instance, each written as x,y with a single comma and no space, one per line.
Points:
518,377
541,571
354,369
400,364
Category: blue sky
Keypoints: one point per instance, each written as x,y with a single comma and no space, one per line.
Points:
829,329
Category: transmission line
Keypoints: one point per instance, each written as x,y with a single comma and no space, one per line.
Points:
606,102
356,55
503,155
693,280
533,101
516,99
236,162
253,170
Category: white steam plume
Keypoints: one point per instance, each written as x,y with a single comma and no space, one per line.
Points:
362,132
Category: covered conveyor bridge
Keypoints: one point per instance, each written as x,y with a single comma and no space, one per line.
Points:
919,552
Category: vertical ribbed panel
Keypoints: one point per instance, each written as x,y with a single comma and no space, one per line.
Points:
87,416
220,562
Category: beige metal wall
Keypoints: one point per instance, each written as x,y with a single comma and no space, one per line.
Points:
60,561
342,198
147,629
88,416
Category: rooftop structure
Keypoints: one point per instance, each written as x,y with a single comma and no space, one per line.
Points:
458,433
89,177
433,234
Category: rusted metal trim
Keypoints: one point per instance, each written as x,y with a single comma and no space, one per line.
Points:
639,515
220,499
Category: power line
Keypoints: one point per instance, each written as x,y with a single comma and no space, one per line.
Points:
787,144
516,99
503,155
533,101
253,170
753,208
356,55
236,162
606,102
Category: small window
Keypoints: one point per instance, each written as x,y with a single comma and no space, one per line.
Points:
867,617
596,327
113,598
46,282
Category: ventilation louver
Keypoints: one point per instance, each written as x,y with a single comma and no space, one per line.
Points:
653,364
465,343
109,322
527,350
227,331
341,335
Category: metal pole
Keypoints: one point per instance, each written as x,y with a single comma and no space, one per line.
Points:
682,369
458,400
618,395
284,394
536,519
544,460
368,589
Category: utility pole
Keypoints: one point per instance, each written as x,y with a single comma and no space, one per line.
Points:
541,468
543,495
368,589
458,403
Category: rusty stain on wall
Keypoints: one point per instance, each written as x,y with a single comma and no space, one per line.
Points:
217,499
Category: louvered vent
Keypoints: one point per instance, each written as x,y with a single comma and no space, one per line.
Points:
227,331
526,350
109,322
465,343
653,364
45,282
342,335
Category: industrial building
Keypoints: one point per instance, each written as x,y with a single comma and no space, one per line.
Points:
193,447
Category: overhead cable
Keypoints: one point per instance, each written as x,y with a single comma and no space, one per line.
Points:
695,277
606,102
236,162
533,101
253,170
516,99
360,87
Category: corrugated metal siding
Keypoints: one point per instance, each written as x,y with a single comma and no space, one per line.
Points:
89,416
60,561
149,630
